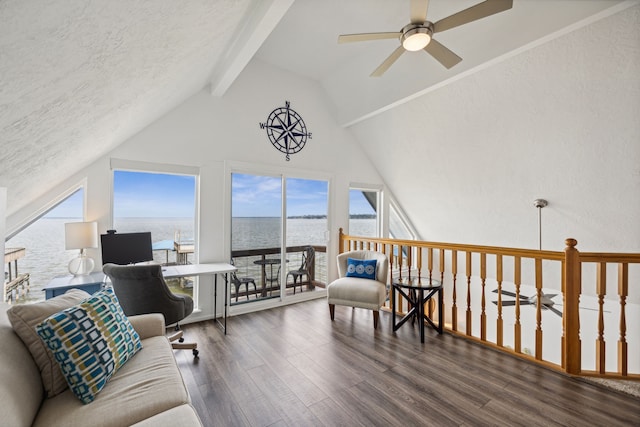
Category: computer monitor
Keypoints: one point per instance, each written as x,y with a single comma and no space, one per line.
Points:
126,248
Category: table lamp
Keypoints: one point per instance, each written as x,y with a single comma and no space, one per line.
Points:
81,235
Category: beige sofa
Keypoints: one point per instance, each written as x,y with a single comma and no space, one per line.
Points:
147,391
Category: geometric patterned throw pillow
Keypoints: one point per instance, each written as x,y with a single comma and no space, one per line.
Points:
365,269
90,341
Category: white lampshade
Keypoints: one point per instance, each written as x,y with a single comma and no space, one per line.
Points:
80,235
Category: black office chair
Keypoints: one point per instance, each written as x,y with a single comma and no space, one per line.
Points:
305,268
239,281
141,289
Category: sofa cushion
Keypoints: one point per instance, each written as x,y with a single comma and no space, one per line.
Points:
149,384
363,268
21,391
24,318
90,341
357,292
183,415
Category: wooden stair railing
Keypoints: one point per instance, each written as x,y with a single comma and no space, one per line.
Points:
467,311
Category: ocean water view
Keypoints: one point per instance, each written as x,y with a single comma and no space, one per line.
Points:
46,256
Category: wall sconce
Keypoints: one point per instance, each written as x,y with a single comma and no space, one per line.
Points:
81,235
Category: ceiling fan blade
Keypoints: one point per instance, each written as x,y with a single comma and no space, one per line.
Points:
555,310
510,294
388,62
442,54
479,11
419,11
588,308
506,303
348,38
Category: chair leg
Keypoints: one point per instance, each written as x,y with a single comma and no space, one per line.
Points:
376,316
332,310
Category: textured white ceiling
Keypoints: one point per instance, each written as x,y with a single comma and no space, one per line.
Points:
305,42
79,77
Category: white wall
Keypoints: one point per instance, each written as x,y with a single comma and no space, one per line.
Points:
559,122
3,203
208,133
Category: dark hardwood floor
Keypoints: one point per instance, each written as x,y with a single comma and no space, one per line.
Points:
292,366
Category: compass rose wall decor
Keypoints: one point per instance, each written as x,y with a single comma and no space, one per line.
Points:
286,130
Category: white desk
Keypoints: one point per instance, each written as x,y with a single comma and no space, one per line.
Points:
188,270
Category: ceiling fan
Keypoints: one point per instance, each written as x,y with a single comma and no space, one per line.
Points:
545,299
417,35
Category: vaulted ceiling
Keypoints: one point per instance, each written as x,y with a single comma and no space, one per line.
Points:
79,77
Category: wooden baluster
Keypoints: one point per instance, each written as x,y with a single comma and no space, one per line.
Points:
571,314
409,260
340,241
442,266
419,261
517,332
454,306
563,359
383,249
499,323
400,261
538,349
623,292
601,290
469,273
483,314
432,302
430,262
391,292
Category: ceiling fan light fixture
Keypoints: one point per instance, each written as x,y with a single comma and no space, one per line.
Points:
416,38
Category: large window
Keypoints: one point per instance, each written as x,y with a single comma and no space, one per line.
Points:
364,218
163,204
259,229
399,227
39,250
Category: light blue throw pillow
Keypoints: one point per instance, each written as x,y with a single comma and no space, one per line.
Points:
90,341
365,269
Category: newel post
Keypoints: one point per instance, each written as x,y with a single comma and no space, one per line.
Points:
571,317
340,241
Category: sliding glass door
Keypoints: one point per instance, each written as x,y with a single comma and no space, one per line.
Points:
256,236
306,225
267,268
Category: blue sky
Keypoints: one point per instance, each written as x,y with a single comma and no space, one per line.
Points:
140,194
149,195
260,196
69,208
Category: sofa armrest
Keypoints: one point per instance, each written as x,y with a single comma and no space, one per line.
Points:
148,325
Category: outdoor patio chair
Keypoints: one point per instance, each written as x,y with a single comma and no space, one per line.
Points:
305,268
239,281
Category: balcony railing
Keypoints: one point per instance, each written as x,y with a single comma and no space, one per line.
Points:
558,309
245,261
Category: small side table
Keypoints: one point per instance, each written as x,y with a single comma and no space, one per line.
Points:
270,262
419,291
90,283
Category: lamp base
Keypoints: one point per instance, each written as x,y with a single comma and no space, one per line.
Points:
81,266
